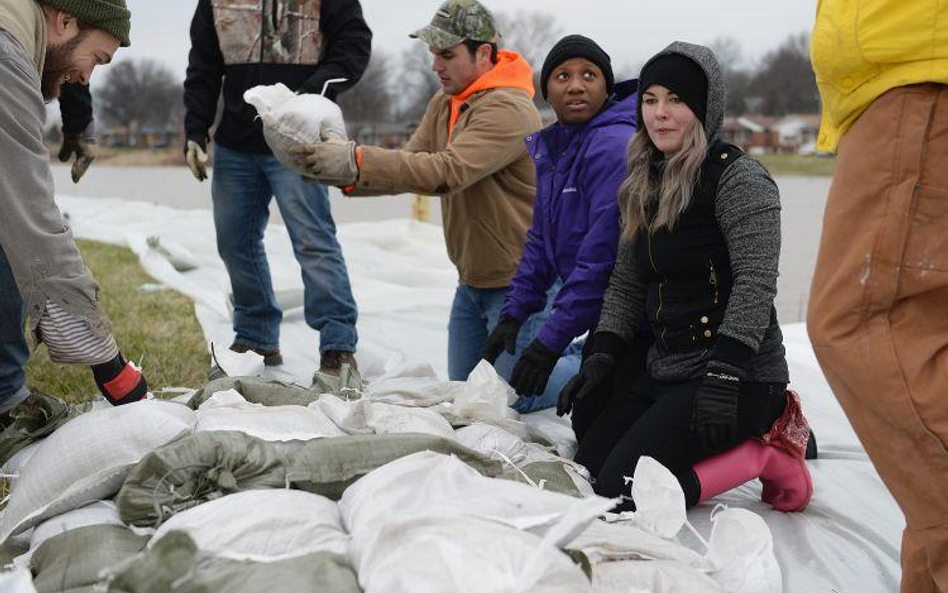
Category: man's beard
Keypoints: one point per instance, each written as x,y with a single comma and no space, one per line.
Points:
59,61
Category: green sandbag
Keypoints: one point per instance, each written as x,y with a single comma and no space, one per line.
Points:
329,466
205,466
34,419
553,474
175,564
195,469
72,561
268,392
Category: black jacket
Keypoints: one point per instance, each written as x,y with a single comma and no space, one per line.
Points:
300,43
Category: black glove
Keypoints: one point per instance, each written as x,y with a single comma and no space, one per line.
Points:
533,369
714,409
504,337
596,370
119,381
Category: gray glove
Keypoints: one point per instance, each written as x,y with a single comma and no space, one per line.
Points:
195,152
84,147
331,162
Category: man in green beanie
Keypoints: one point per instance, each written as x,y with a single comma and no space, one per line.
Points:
43,45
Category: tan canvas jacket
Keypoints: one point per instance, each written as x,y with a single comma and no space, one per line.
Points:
484,176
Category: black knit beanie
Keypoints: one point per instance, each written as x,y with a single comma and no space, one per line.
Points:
577,46
682,76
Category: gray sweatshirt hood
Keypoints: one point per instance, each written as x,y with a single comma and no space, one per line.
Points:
717,92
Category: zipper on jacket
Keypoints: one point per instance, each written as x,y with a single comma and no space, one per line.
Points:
661,291
714,281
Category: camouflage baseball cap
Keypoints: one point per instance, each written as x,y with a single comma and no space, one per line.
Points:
456,21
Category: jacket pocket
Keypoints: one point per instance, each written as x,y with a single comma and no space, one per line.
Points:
491,256
239,27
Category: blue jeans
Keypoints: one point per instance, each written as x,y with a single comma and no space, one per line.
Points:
242,186
14,351
474,314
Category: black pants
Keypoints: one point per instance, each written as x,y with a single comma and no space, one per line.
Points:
652,418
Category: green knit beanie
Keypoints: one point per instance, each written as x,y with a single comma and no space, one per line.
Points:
109,15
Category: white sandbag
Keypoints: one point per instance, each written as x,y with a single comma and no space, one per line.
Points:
430,483
18,580
443,554
15,464
486,397
411,385
741,552
659,499
101,512
388,418
290,119
88,458
262,525
651,576
493,441
558,431
230,411
366,417
609,542
348,416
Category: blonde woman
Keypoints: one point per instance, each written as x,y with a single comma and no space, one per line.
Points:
698,256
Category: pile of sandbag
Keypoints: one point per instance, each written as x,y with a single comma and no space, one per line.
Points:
412,486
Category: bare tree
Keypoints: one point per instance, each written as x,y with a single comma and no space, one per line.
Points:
140,93
532,34
371,100
417,80
737,75
785,81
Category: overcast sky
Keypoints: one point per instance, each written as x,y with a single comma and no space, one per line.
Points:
629,30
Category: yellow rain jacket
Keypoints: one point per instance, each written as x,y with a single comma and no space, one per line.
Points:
862,48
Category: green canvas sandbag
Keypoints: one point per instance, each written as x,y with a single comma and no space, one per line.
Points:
268,392
195,469
552,473
72,561
34,419
174,564
329,466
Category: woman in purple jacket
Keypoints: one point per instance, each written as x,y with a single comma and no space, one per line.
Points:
580,163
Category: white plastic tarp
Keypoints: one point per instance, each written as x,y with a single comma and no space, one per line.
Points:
404,284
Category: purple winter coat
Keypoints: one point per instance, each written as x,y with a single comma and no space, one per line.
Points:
575,229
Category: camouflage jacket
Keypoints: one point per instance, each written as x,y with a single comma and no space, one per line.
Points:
239,44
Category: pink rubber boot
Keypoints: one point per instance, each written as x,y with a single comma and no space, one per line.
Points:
786,479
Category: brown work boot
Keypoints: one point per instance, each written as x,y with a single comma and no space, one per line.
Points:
331,361
271,358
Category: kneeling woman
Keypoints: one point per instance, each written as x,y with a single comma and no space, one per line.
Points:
698,256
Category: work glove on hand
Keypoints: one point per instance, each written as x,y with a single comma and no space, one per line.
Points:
120,381
597,368
83,146
195,152
504,337
714,408
533,369
331,162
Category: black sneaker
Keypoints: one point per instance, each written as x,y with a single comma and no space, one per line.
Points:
331,361
271,358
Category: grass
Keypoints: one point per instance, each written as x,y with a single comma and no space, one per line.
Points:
160,325
796,164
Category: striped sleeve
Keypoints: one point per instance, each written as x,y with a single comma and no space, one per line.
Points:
70,341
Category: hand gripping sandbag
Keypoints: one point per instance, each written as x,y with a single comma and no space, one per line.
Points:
290,119
174,563
88,458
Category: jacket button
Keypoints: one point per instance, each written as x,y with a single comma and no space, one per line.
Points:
707,333
704,320
723,155
529,138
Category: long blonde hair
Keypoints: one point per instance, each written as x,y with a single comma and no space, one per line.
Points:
672,189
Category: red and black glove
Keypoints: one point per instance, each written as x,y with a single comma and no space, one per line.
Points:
119,381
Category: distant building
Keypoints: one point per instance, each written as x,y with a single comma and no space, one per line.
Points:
386,135
760,134
798,132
